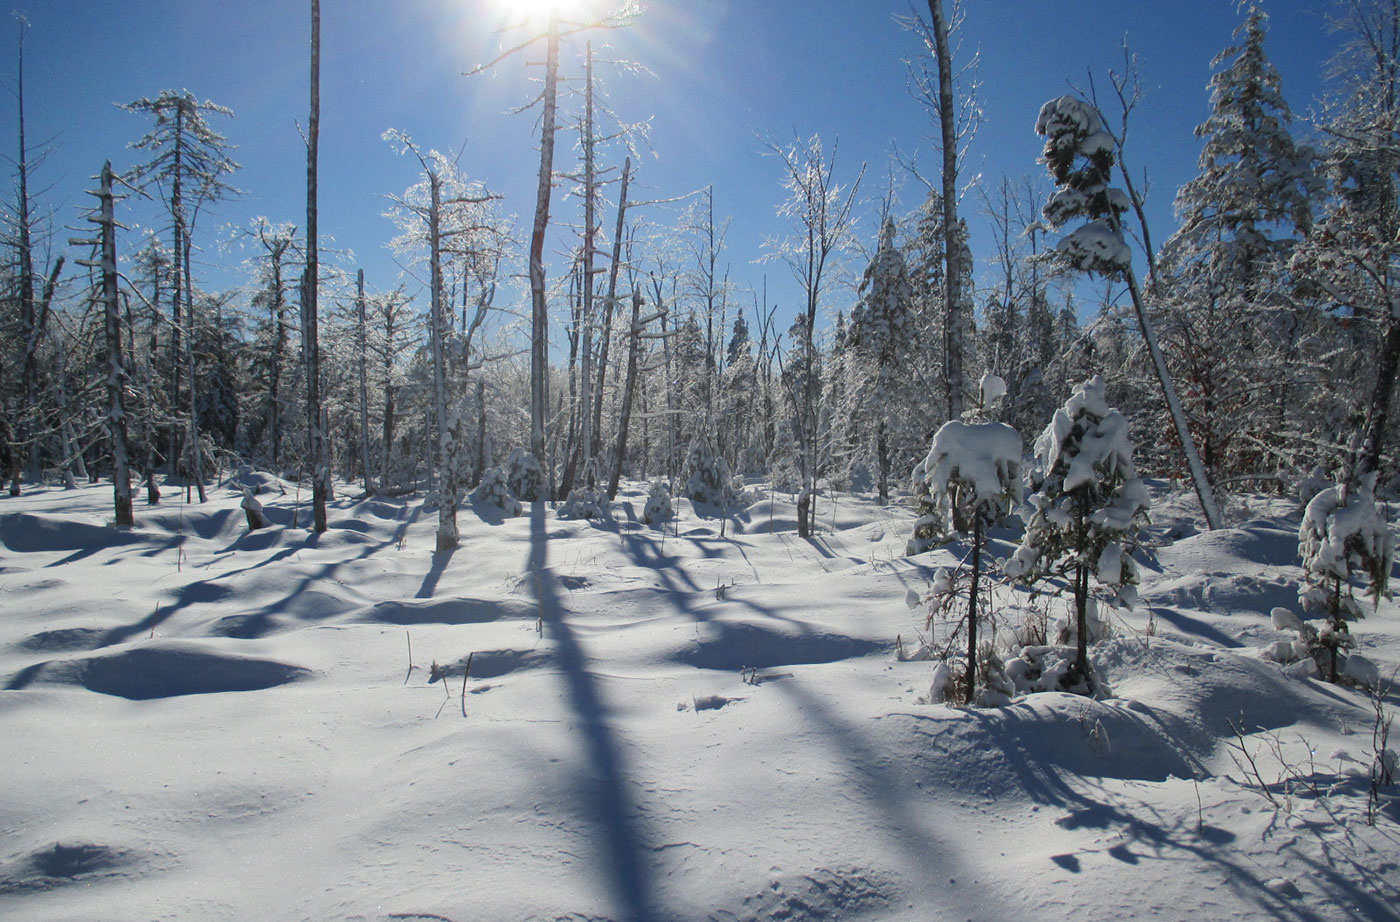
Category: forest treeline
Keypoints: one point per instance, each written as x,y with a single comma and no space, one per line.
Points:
1268,322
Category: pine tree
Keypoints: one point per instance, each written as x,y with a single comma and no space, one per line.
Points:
1227,324
879,334
973,475
1343,534
1080,155
1088,507
1353,254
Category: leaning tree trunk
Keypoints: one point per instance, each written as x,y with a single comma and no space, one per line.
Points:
1199,480
605,339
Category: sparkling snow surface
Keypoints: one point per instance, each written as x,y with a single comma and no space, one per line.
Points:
202,723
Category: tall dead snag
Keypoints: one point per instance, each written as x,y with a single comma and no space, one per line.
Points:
106,264
29,329
957,120
320,463
362,371
610,304
442,217
952,243
188,162
554,30
539,307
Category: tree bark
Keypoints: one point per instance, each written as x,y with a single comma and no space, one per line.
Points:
971,686
447,535
1378,412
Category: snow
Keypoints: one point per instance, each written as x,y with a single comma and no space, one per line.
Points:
985,456
206,723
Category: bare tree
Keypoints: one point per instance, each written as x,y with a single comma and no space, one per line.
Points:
957,121
189,160
554,31
116,371
442,216
822,211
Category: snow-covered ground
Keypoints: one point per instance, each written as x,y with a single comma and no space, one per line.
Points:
202,723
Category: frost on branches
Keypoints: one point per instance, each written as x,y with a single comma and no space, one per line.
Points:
1086,513
973,475
1343,536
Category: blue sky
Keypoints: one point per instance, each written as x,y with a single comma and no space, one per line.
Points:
723,73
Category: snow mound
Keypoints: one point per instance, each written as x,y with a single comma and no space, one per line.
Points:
32,533
1096,739
448,611
60,865
64,640
732,646
164,670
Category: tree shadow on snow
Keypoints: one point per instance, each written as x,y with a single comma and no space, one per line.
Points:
615,816
257,623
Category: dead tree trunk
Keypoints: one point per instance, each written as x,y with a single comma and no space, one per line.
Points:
611,302
116,372
952,238
629,390
539,309
362,350
320,466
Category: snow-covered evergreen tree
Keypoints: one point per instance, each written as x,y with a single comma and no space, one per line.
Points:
1080,154
524,476
1353,255
879,332
1343,536
1228,323
973,474
494,492
707,474
588,500
1087,509
658,506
